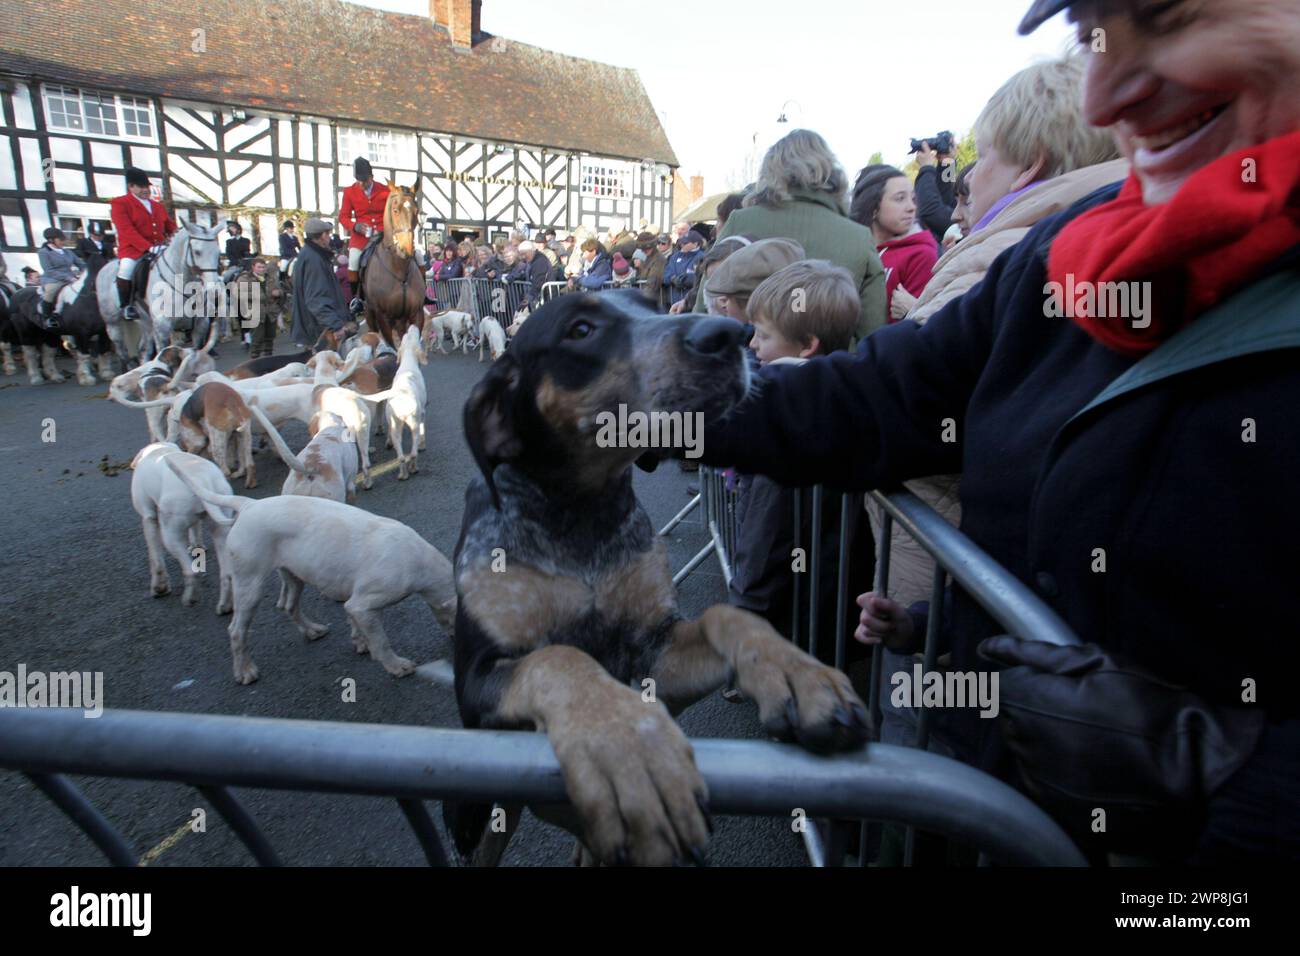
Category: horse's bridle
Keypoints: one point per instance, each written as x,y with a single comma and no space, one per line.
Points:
191,264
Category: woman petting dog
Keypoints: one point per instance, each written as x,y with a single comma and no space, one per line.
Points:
1130,440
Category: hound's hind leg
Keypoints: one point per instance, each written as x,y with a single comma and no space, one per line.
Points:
293,607
369,621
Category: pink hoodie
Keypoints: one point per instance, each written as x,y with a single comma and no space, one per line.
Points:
908,261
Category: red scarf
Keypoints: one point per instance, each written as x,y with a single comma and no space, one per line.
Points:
1216,235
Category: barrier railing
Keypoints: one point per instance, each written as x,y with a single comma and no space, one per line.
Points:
414,764
1003,596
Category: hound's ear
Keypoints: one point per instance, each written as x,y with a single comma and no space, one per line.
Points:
392,184
648,462
491,428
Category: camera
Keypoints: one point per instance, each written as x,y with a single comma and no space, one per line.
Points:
940,144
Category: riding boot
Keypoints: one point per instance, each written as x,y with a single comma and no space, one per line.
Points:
357,305
124,299
51,320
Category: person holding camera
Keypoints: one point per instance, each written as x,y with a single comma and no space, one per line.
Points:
936,179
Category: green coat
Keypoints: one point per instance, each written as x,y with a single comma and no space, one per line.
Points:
812,220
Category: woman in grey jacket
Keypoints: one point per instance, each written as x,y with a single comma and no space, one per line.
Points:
59,266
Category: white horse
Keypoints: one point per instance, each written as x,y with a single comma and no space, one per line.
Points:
184,281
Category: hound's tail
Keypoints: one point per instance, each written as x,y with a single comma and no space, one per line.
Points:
131,403
213,503
281,449
378,397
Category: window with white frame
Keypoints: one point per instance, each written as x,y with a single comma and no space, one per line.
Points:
382,147
605,179
100,114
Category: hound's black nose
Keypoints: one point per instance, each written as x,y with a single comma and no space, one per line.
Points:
712,335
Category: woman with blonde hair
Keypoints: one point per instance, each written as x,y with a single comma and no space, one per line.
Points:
802,194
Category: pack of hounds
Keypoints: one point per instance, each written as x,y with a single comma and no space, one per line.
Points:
562,635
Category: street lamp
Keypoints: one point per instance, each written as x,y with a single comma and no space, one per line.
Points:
782,117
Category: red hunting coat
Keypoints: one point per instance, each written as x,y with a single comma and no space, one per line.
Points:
358,208
138,229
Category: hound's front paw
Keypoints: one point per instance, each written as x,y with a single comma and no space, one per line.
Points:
245,672
630,773
801,699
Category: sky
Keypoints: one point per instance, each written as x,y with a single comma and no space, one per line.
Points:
867,75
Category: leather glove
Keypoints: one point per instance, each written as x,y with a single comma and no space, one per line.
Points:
1091,731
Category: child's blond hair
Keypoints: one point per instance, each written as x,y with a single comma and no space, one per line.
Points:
807,298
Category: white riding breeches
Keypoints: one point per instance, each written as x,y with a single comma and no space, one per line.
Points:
126,268
354,259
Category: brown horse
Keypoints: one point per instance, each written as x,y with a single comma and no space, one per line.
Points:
394,284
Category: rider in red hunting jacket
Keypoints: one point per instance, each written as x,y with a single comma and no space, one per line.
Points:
361,216
141,224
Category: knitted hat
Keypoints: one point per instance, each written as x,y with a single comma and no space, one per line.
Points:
744,269
621,268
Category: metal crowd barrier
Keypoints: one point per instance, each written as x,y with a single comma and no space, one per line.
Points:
718,502
413,764
551,289
1003,596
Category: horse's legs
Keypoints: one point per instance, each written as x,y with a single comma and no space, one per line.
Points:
31,358
47,363
84,374
117,336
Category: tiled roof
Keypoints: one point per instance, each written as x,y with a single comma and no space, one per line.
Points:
336,60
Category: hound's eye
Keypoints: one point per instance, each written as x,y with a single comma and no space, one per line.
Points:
580,329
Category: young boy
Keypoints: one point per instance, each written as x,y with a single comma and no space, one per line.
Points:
804,309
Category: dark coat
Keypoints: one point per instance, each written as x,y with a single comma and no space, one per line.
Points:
238,248
451,268
289,245
679,274
539,272
935,199
652,272
318,301
1197,531
86,248
602,268
518,272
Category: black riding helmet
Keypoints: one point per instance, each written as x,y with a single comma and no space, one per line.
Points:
53,233
136,177
361,169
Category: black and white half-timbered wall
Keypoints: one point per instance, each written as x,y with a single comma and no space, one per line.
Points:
65,143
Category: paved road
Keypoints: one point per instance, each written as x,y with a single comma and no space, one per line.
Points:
75,597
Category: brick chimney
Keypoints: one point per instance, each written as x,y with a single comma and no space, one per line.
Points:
460,18
697,188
